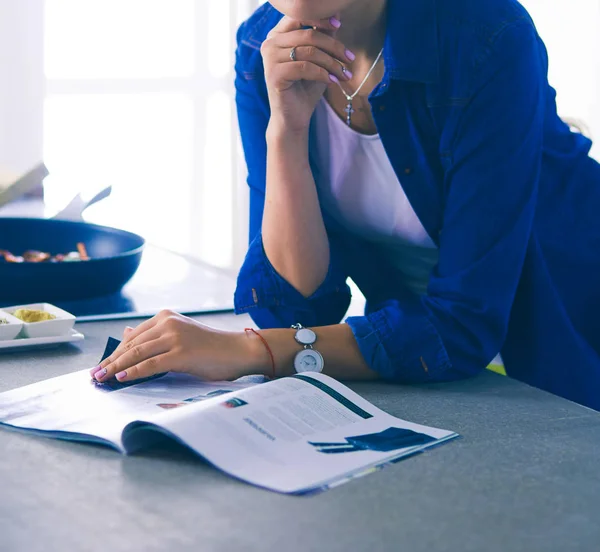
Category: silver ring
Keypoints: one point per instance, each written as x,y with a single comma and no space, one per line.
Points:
293,53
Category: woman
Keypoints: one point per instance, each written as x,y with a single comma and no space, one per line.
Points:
414,146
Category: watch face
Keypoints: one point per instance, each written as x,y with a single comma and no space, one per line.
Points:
306,336
308,360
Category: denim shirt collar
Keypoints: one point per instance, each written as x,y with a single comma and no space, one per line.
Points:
411,47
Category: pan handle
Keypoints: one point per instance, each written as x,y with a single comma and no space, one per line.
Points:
76,207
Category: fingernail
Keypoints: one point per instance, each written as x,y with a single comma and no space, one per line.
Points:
94,370
350,55
128,328
335,22
333,78
121,375
348,73
100,374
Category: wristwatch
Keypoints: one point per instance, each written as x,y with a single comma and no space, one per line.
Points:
309,359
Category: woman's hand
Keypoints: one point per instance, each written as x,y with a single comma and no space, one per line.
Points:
295,87
170,342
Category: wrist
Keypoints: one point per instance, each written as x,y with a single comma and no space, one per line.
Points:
254,354
281,131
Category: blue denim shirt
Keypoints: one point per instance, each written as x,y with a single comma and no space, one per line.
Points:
505,190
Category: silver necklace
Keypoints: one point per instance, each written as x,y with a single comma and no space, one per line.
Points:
350,97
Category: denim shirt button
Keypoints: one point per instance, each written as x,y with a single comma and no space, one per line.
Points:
408,171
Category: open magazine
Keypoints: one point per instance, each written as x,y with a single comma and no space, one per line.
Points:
295,435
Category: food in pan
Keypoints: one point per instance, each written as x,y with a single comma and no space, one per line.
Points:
29,315
43,257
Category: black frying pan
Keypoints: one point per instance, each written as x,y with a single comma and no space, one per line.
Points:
114,258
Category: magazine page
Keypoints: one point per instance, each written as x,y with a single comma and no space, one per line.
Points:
297,434
76,408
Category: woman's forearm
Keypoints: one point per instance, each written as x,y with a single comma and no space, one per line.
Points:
337,344
294,234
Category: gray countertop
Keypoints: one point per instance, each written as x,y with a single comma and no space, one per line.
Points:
524,477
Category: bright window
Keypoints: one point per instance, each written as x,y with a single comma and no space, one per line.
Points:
140,96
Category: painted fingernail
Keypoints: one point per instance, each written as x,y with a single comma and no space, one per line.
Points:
333,78
347,73
350,55
100,374
335,22
94,370
121,375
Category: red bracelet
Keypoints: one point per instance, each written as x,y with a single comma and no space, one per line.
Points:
269,350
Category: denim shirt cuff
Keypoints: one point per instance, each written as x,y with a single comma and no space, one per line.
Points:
371,346
400,346
261,286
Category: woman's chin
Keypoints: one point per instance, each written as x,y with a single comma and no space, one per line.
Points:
304,10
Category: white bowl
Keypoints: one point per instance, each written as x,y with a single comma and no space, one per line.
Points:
12,329
61,325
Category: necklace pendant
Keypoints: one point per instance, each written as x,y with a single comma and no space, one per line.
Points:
349,97
349,111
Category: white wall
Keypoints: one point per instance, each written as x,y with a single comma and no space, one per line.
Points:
21,82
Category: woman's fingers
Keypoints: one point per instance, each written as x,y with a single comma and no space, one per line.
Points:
312,50
308,37
314,55
286,74
288,24
127,345
141,360
148,324
131,334
150,367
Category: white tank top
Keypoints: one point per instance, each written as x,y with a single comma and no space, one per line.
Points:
359,188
